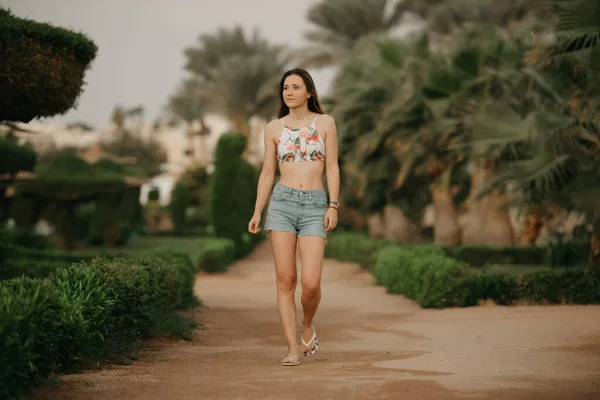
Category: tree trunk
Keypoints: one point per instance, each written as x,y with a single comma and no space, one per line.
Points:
446,230
498,230
533,226
397,227
204,155
595,243
473,227
376,225
241,124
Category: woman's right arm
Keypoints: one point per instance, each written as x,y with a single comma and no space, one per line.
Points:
267,175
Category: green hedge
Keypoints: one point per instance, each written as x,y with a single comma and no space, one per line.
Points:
233,193
25,238
358,247
43,68
87,312
432,279
427,275
180,198
353,247
15,157
482,255
216,254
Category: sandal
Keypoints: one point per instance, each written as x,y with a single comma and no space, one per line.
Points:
308,349
290,361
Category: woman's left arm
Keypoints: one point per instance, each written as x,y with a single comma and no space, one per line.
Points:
332,170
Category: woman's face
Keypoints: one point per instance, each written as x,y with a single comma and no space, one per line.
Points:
294,91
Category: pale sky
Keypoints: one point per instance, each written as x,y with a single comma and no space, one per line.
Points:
140,43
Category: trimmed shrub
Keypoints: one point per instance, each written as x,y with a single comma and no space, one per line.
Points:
233,193
354,247
432,279
43,66
425,275
25,238
561,286
216,254
178,206
15,157
87,312
30,317
482,255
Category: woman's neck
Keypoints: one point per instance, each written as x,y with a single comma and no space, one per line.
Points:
300,114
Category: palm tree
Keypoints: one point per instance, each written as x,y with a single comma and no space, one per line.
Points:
364,84
555,137
242,87
236,76
204,58
443,17
339,24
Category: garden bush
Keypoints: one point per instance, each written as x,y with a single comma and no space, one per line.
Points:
18,261
178,206
86,312
435,276
432,279
233,193
216,254
425,275
25,238
482,255
353,247
46,65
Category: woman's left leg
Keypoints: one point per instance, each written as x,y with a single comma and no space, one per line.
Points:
312,250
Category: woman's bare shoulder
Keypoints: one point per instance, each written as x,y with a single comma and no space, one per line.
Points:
327,119
273,127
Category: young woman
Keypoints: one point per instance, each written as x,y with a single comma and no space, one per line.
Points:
303,142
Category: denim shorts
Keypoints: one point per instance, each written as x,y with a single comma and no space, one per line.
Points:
297,211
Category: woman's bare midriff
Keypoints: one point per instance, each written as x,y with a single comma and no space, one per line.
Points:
304,175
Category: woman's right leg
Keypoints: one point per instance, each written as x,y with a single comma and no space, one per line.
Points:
283,246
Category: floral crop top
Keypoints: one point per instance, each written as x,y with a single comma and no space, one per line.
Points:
297,145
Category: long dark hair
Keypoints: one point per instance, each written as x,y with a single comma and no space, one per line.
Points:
313,100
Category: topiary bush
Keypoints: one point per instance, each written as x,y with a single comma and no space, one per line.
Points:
87,312
14,157
233,193
216,254
42,68
178,206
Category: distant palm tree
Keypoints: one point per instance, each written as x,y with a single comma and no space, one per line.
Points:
340,23
236,75
443,16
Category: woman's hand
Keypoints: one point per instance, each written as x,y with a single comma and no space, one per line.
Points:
331,219
254,224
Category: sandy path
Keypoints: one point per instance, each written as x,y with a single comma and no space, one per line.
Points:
373,346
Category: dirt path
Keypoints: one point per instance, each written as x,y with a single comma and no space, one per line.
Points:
373,346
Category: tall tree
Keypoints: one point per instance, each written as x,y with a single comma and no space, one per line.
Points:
339,24
557,137
237,75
